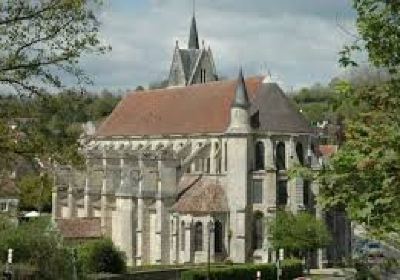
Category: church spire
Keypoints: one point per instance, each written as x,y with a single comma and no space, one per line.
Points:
193,36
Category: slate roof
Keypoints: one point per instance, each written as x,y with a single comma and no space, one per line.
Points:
276,111
189,58
193,35
202,195
241,98
79,228
201,108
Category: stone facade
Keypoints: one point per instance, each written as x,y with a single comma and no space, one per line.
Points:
148,191
187,174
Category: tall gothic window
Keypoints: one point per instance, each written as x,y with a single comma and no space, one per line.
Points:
198,237
282,194
182,236
280,156
259,156
218,234
257,191
300,153
258,230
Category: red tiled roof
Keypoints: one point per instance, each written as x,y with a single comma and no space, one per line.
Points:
77,228
327,150
202,108
202,196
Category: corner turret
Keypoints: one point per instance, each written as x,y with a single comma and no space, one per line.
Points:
240,116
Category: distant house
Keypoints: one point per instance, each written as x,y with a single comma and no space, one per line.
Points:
9,197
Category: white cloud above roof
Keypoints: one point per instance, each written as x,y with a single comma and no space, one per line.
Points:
298,41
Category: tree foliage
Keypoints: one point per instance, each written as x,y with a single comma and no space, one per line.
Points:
297,232
45,128
48,126
364,176
101,256
378,24
35,192
35,243
40,40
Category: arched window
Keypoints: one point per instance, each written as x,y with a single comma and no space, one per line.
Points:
182,236
259,156
282,194
218,237
280,156
258,230
300,153
198,236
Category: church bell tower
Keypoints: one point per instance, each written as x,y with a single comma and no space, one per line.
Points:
193,65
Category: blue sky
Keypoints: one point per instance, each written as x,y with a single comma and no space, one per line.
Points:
296,40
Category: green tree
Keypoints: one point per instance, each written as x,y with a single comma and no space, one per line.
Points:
35,192
297,233
36,243
101,256
364,176
41,39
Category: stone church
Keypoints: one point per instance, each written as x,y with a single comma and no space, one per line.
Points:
192,171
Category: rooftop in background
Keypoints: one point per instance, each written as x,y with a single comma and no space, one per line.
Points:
328,150
8,188
79,228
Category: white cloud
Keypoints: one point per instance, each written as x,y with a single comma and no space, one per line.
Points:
297,40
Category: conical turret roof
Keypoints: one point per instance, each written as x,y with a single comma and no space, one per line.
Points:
241,98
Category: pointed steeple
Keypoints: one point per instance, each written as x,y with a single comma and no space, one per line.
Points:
193,36
241,99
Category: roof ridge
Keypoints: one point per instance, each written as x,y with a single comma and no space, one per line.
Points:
190,86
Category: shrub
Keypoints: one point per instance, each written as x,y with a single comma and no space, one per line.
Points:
290,268
36,245
101,256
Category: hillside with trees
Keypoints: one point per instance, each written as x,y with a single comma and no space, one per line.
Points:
363,178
